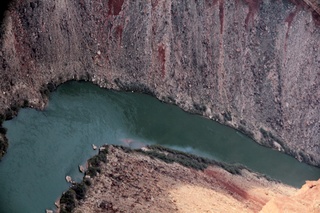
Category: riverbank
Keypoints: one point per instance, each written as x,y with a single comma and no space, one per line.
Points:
157,179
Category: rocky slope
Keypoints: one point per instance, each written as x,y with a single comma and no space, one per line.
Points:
253,65
138,181
307,199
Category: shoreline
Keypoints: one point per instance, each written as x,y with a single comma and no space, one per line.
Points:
267,140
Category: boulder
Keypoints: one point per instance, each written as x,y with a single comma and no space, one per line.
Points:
102,148
57,204
68,179
81,169
94,147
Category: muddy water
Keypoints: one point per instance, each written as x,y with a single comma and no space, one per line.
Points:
45,146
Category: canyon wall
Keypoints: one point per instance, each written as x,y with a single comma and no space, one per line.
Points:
250,64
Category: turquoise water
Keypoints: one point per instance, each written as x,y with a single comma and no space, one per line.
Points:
45,146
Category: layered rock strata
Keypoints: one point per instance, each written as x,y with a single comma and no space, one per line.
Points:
252,65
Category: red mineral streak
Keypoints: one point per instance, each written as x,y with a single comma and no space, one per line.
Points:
253,9
162,57
236,191
221,14
115,7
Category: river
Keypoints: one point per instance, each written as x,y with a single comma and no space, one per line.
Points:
45,146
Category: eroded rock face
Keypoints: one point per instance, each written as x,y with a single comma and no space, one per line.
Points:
253,65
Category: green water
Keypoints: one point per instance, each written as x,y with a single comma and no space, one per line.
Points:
45,146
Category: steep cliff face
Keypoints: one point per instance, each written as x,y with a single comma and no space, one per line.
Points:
253,65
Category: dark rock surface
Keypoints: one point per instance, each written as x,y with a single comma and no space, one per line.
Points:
253,65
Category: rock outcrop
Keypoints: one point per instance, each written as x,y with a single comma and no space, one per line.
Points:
307,199
253,65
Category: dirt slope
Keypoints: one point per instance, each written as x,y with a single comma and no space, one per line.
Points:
134,182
